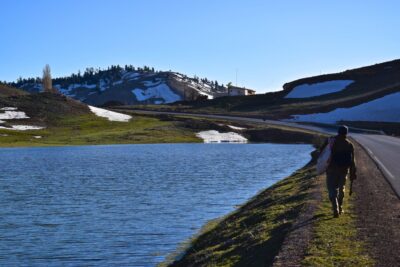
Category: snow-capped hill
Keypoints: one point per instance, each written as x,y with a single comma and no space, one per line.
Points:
384,109
368,94
118,86
343,84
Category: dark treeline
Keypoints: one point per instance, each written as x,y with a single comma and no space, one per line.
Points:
90,75
111,73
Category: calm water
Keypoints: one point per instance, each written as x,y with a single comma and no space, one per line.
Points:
125,205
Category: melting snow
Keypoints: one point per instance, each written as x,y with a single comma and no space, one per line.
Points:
316,89
159,91
213,136
385,109
9,108
13,115
22,127
208,95
110,115
130,75
236,128
151,83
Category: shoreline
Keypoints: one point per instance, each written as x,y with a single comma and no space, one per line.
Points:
189,251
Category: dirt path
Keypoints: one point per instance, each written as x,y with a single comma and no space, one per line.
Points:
378,212
295,244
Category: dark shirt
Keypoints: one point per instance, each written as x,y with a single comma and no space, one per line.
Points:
342,146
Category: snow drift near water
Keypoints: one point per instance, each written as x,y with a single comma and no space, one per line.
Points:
213,136
317,89
385,109
110,115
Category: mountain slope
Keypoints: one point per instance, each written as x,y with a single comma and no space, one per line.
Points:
127,86
319,94
6,90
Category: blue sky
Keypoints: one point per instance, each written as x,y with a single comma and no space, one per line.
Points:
267,42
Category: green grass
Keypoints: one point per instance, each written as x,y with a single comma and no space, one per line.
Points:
252,235
91,130
335,242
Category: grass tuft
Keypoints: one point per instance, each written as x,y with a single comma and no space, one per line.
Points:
335,242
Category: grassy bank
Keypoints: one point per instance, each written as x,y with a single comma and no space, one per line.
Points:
89,129
335,241
254,234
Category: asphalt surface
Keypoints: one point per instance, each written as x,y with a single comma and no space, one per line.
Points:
383,149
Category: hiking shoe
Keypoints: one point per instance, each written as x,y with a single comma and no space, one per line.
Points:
336,214
341,211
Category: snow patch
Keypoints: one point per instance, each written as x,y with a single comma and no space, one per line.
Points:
317,89
385,109
236,128
160,91
110,115
13,115
151,83
22,127
213,136
130,76
208,95
102,85
9,108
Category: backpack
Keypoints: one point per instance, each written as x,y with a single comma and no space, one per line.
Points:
341,158
325,157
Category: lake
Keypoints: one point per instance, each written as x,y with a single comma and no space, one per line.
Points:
125,205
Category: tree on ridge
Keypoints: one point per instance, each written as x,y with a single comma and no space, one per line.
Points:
46,80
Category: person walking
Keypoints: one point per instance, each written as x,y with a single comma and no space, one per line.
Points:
342,163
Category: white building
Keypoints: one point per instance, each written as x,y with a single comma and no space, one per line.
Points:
234,90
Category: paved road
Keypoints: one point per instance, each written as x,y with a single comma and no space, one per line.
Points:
384,150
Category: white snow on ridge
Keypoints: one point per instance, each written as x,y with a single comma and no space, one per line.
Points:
213,136
317,89
160,91
130,75
110,115
385,109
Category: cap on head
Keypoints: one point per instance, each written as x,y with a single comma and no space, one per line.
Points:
343,130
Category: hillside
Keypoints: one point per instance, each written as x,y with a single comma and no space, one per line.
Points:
128,85
6,90
367,94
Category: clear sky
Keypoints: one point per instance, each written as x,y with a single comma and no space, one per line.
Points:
267,42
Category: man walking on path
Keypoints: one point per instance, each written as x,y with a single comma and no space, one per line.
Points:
341,163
